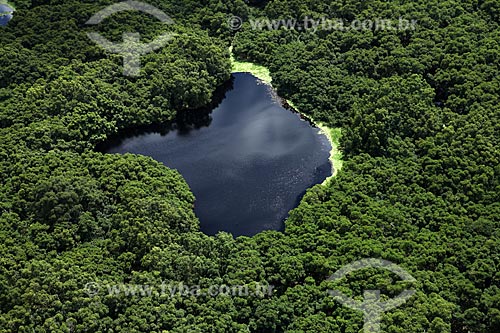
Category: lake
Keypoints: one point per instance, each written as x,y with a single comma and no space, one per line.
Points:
248,160
5,14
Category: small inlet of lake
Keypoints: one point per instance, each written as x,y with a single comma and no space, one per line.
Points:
248,160
6,14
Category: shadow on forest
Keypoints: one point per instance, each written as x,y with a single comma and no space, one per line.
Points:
184,122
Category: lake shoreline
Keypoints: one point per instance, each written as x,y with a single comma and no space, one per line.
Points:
332,134
248,161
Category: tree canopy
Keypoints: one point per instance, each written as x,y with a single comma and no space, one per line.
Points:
420,113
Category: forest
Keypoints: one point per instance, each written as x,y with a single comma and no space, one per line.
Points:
420,184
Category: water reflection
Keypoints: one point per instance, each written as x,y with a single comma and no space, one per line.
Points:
247,159
6,14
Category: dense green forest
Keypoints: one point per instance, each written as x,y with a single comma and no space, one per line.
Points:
420,185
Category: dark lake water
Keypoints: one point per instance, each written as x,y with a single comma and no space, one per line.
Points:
5,14
248,160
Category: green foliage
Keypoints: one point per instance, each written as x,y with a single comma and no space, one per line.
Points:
420,130
419,185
